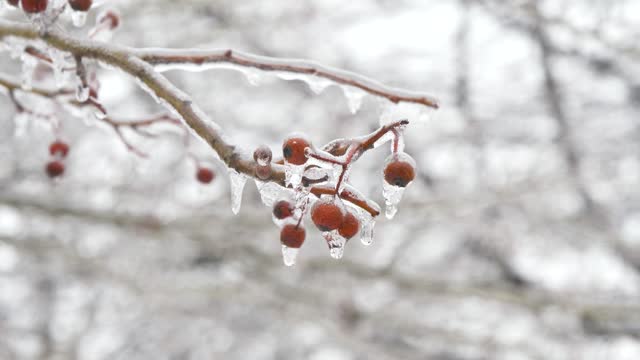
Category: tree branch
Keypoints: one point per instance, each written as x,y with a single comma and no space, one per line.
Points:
139,63
170,59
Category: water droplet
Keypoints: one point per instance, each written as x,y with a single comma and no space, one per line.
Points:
237,182
354,97
79,18
289,255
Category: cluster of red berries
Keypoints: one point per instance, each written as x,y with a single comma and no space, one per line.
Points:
38,6
58,150
328,213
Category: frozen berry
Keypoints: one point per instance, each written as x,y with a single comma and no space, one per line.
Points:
293,150
34,6
399,173
205,175
110,18
282,209
60,148
55,168
292,236
13,2
263,172
80,5
350,226
262,155
326,215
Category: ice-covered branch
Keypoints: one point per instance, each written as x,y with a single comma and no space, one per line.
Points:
166,59
164,91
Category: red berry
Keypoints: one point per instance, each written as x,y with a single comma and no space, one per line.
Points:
205,175
292,236
282,209
110,18
55,168
399,173
293,150
59,147
80,5
263,172
350,226
13,2
326,215
34,6
262,155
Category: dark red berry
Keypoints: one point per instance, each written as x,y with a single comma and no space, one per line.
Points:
110,18
263,172
13,2
80,5
349,227
55,168
60,148
205,175
293,150
399,173
262,155
282,209
292,236
326,215
34,6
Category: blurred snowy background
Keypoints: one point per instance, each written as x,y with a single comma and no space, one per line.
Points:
519,240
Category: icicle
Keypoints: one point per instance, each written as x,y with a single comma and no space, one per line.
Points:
366,234
79,18
335,242
354,97
58,64
82,92
289,255
237,182
21,124
317,84
392,196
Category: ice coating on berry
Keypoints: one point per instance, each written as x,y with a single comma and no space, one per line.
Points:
236,182
79,18
293,149
327,215
263,172
349,227
282,209
262,155
292,235
399,170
